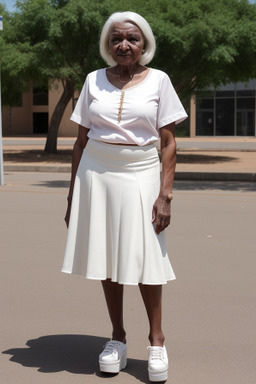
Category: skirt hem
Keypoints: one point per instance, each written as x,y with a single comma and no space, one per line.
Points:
119,282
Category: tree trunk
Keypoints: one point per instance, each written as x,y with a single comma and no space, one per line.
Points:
51,142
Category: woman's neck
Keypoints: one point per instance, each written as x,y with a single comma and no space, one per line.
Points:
126,78
126,73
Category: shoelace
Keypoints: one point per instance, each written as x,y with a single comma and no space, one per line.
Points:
156,354
111,346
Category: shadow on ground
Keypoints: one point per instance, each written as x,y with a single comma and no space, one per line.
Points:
34,156
53,184
195,158
77,354
64,157
186,185
228,186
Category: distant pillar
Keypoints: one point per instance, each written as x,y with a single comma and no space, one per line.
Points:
255,119
1,142
193,116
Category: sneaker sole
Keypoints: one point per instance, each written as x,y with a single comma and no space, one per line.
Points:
114,367
158,376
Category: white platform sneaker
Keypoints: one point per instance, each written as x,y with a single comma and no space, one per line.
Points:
157,363
114,357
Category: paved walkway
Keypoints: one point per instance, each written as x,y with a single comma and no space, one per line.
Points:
218,159
53,325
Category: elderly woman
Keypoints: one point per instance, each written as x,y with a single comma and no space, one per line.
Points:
118,208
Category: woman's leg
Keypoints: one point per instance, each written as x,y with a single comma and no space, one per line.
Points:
157,354
114,299
152,297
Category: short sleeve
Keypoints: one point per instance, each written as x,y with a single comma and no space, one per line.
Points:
170,108
80,114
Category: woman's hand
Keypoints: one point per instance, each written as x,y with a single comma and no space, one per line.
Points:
161,213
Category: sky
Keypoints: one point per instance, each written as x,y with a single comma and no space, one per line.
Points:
10,4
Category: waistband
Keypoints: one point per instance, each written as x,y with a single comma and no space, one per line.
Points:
120,158
124,153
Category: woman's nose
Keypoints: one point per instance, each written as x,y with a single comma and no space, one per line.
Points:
124,45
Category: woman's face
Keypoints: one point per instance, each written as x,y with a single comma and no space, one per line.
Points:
126,43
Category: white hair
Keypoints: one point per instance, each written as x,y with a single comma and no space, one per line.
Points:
142,24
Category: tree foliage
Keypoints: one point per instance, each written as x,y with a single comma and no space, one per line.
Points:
11,60
199,43
55,40
206,43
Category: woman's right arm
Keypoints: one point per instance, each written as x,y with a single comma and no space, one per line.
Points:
78,148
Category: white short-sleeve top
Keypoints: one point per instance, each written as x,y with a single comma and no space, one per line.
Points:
130,116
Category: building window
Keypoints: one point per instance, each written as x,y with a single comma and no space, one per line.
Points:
40,95
245,112
227,112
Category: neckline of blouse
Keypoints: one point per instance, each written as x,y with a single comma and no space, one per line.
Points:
129,88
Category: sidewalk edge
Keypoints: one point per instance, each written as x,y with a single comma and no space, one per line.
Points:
179,175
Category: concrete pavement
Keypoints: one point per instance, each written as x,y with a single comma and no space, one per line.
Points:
53,325
216,159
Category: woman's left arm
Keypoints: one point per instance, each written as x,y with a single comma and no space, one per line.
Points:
161,214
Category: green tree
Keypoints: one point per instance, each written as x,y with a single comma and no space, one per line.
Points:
199,43
10,61
58,41
206,43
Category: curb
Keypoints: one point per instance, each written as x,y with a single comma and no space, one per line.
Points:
215,176
38,168
179,175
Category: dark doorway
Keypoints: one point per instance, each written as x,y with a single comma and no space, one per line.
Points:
40,122
225,117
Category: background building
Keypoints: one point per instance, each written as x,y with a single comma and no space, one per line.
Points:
32,114
228,111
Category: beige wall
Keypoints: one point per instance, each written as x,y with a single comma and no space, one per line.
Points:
193,116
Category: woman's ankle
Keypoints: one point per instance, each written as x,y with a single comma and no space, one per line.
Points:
156,340
119,336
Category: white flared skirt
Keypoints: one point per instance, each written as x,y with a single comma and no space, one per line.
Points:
110,232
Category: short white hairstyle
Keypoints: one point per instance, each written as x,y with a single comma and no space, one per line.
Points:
141,23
